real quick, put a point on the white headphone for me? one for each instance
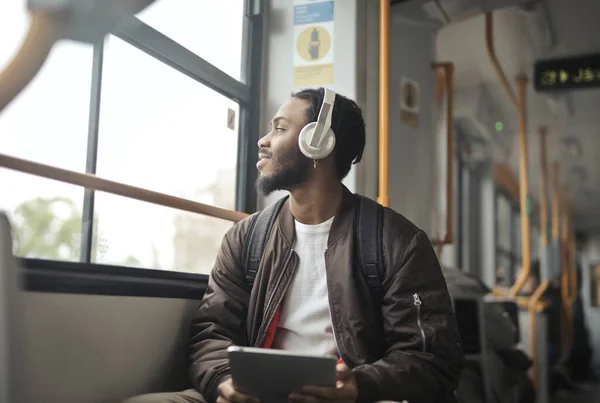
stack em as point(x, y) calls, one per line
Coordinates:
point(317, 139)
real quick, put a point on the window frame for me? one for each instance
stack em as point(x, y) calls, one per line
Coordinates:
point(154, 43)
point(84, 277)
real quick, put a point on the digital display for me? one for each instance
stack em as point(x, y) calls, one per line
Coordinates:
point(568, 73)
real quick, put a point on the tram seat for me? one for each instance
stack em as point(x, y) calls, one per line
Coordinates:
point(511, 310)
point(470, 317)
point(10, 312)
point(74, 348)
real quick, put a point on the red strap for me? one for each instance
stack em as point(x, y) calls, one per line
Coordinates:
point(270, 338)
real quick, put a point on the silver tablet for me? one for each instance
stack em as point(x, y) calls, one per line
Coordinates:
point(271, 375)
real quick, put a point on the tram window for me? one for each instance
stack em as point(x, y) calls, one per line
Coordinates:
point(211, 29)
point(47, 123)
point(535, 243)
point(503, 223)
point(162, 131)
point(517, 246)
point(505, 244)
point(136, 234)
point(595, 284)
point(503, 270)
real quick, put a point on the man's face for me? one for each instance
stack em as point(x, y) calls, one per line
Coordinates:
point(281, 163)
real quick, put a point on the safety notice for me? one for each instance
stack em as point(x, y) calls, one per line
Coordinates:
point(313, 42)
point(409, 103)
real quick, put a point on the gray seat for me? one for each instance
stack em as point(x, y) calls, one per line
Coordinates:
point(74, 348)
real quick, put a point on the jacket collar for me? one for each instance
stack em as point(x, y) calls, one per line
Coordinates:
point(342, 222)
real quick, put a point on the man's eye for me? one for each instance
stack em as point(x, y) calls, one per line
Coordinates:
point(279, 129)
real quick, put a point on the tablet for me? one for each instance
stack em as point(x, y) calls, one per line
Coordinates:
point(271, 375)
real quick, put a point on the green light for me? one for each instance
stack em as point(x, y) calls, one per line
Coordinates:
point(499, 126)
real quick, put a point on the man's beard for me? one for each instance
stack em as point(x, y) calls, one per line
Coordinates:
point(292, 173)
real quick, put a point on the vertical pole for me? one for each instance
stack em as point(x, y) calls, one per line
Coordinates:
point(544, 188)
point(523, 187)
point(384, 102)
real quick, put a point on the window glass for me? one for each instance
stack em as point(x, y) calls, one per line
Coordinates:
point(503, 223)
point(503, 270)
point(162, 131)
point(137, 234)
point(211, 29)
point(535, 243)
point(47, 123)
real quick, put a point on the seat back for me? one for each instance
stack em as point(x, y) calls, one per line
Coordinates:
point(10, 316)
point(75, 347)
point(469, 312)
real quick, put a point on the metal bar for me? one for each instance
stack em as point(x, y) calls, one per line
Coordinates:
point(489, 42)
point(384, 102)
point(116, 188)
point(448, 69)
point(544, 188)
point(533, 311)
point(555, 202)
point(161, 47)
point(250, 116)
point(523, 187)
point(87, 222)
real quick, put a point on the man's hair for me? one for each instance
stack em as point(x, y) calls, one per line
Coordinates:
point(347, 123)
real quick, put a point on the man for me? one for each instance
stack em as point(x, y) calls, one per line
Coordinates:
point(507, 365)
point(560, 377)
point(582, 351)
point(308, 294)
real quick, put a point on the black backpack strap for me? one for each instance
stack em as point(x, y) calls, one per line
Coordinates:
point(369, 237)
point(259, 231)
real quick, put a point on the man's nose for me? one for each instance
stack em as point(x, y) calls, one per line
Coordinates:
point(265, 141)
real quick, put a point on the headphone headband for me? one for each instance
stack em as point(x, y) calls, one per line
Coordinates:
point(323, 120)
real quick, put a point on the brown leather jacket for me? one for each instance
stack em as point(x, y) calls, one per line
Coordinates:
point(401, 350)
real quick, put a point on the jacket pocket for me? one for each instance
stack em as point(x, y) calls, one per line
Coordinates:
point(418, 303)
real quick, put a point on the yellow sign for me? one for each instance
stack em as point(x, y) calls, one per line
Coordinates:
point(409, 105)
point(313, 43)
point(314, 51)
point(320, 74)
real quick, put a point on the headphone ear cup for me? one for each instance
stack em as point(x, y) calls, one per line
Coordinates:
point(327, 144)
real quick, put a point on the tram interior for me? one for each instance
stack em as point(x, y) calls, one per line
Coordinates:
point(84, 329)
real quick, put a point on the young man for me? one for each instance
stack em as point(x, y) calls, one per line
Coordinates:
point(310, 296)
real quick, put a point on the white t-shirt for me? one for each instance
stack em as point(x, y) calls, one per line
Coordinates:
point(305, 320)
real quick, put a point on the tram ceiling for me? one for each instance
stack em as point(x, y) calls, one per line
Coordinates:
point(522, 36)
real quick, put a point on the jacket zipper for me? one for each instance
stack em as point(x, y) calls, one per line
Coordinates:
point(266, 324)
point(335, 339)
point(418, 303)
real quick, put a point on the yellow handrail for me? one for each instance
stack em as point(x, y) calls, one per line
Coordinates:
point(566, 277)
point(539, 292)
point(533, 311)
point(555, 202)
point(384, 103)
point(524, 185)
point(43, 33)
point(489, 42)
point(448, 72)
point(93, 182)
point(544, 188)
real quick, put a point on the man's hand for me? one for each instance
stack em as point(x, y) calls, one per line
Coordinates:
point(228, 394)
point(346, 390)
